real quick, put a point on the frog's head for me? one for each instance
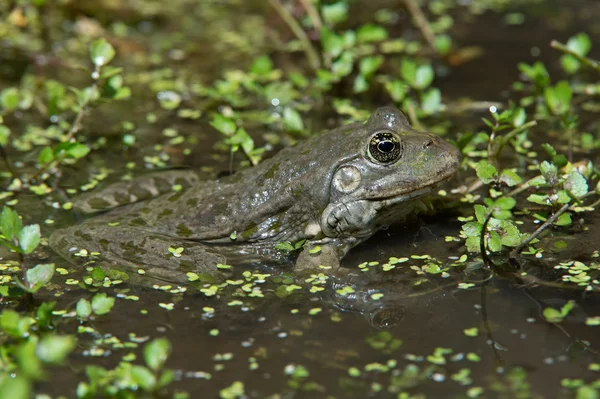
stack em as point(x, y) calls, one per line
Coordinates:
point(392, 164)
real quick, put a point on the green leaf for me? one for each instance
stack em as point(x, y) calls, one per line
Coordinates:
point(101, 52)
point(156, 353)
point(165, 379)
point(39, 276)
point(550, 172)
point(494, 242)
point(563, 220)
point(486, 171)
point(143, 378)
point(10, 223)
point(552, 315)
point(408, 70)
point(371, 33)
point(4, 135)
point(77, 150)
point(169, 99)
point(443, 44)
point(558, 97)
point(292, 120)
point(9, 99)
point(101, 304)
point(54, 348)
point(431, 101)
point(84, 308)
point(580, 44)
point(506, 203)
point(343, 65)
point(424, 77)
point(360, 84)
point(262, 65)
point(333, 44)
point(46, 156)
point(472, 229)
point(17, 387)
point(14, 325)
point(29, 238)
point(396, 89)
point(284, 246)
point(540, 199)
point(44, 315)
point(368, 65)
point(334, 13)
point(223, 124)
point(109, 71)
point(576, 184)
point(510, 178)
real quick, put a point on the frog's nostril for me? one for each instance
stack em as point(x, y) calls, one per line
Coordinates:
point(427, 143)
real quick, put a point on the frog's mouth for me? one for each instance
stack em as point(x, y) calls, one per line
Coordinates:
point(362, 217)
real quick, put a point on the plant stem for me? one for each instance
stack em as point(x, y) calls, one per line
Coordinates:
point(482, 246)
point(313, 14)
point(515, 252)
point(76, 125)
point(421, 22)
point(311, 53)
point(506, 137)
point(555, 44)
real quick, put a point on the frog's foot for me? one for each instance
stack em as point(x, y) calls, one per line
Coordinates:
point(324, 256)
point(141, 188)
point(157, 256)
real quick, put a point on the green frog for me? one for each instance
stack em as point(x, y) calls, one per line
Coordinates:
point(331, 192)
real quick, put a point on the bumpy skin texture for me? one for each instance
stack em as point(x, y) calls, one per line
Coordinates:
point(333, 190)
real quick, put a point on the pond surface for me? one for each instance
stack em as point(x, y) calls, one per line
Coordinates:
point(448, 335)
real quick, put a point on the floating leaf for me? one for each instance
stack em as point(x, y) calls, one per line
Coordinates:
point(84, 308)
point(101, 304)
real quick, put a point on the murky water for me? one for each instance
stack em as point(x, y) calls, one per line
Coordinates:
point(431, 338)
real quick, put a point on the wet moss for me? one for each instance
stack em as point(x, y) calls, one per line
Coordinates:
point(249, 231)
point(183, 230)
point(269, 174)
point(98, 203)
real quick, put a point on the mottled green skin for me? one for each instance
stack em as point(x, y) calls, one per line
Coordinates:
point(289, 197)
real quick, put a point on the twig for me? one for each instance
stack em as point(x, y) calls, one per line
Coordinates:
point(309, 50)
point(515, 252)
point(313, 14)
point(555, 44)
point(76, 125)
point(506, 137)
point(482, 246)
point(421, 22)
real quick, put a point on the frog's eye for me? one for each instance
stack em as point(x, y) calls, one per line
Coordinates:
point(385, 147)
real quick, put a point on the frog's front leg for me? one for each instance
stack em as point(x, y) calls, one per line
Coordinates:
point(324, 255)
point(130, 191)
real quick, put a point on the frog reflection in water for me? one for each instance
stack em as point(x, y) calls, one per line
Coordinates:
point(333, 190)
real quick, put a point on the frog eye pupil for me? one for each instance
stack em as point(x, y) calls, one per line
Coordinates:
point(384, 147)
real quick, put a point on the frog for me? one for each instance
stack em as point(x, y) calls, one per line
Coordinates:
point(305, 207)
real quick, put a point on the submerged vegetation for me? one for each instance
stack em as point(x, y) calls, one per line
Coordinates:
point(94, 92)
